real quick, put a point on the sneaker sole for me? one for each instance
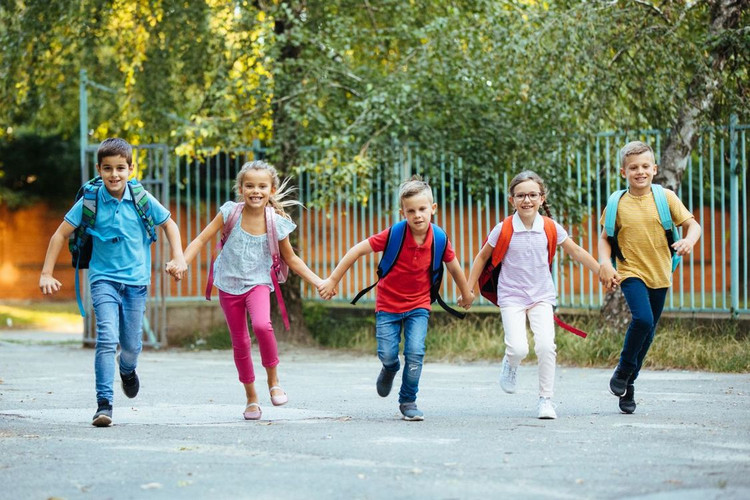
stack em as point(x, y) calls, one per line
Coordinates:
point(102, 421)
point(547, 417)
point(413, 419)
point(508, 391)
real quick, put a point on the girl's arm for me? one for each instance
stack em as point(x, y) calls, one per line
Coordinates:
point(206, 236)
point(478, 265)
point(177, 265)
point(580, 255)
point(296, 264)
point(467, 295)
point(328, 286)
point(47, 283)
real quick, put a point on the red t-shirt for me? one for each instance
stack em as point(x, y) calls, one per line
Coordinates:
point(407, 285)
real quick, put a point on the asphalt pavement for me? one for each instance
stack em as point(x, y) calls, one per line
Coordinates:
point(184, 435)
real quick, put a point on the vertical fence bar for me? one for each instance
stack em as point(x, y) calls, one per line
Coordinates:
point(734, 213)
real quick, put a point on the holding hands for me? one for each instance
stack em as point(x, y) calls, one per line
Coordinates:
point(466, 302)
point(327, 288)
point(608, 276)
point(176, 268)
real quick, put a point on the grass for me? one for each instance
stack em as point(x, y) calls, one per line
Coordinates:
point(717, 346)
point(42, 316)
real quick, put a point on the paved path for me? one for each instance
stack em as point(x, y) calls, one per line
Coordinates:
point(184, 435)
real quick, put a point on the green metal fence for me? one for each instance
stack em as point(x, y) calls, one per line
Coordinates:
point(714, 187)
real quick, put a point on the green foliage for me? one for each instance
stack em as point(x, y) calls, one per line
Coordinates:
point(216, 338)
point(38, 168)
point(345, 331)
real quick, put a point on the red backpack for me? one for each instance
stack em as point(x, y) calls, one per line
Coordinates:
point(279, 268)
point(491, 271)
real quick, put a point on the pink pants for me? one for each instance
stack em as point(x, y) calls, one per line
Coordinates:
point(257, 302)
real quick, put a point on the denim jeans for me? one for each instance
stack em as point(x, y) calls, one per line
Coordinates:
point(119, 318)
point(388, 328)
point(646, 305)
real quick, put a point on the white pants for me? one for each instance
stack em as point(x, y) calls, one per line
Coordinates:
point(517, 345)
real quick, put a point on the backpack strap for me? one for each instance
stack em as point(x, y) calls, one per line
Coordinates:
point(232, 219)
point(394, 243)
point(90, 194)
point(665, 217)
point(439, 244)
point(610, 217)
point(273, 246)
point(551, 231)
point(143, 207)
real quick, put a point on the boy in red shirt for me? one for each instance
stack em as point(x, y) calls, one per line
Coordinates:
point(403, 297)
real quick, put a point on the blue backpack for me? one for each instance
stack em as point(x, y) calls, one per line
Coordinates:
point(670, 230)
point(396, 237)
point(80, 243)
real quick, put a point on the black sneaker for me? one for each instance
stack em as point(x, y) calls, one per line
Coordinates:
point(627, 401)
point(385, 382)
point(619, 381)
point(103, 415)
point(130, 384)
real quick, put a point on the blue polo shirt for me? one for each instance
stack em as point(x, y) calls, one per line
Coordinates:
point(121, 250)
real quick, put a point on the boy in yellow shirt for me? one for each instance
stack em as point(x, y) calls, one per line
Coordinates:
point(644, 268)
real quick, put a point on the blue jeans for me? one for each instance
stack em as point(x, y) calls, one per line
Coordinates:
point(119, 318)
point(388, 332)
point(646, 305)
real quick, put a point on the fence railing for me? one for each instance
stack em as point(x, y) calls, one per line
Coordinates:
point(714, 278)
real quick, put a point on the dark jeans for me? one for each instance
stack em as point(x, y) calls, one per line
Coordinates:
point(646, 305)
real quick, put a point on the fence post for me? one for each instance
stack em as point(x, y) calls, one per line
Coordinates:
point(734, 216)
point(83, 122)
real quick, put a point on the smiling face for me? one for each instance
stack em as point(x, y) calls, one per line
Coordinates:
point(418, 210)
point(115, 172)
point(639, 170)
point(526, 198)
point(256, 188)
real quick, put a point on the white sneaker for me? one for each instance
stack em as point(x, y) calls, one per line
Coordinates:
point(547, 408)
point(508, 377)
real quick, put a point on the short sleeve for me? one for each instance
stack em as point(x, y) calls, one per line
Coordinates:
point(75, 214)
point(494, 235)
point(562, 234)
point(158, 212)
point(449, 254)
point(378, 241)
point(680, 213)
point(226, 209)
point(283, 226)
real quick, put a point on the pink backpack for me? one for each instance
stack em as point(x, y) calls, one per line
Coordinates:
point(279, 268)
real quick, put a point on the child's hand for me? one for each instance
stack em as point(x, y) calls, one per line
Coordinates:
point(466, 302)
point(49, 285)
point(176, 268)
point(683, 246)
point(327, 289)
point(608, 276)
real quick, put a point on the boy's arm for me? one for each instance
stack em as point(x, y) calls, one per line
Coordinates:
point(686, 244)
point(47, 283)
point(177, 265)
point(328, 286)
point(607, 274)
point(296, 264)
point(467, 295)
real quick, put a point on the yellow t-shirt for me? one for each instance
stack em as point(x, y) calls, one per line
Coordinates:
point(641, 238)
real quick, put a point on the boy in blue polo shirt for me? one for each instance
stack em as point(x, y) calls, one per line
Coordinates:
point(119, 271)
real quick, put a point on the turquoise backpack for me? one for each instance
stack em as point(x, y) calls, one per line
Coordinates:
point(670, 230)
point(80, 243)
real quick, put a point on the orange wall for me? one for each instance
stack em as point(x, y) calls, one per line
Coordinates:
point(25, 233)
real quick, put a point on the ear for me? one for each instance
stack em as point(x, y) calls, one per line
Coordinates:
point(401, 212)
point(656, 168)
point(622, 172)
point(98, 169)
point(434, 208)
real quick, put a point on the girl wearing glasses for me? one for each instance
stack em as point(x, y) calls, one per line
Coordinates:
point(524, 286)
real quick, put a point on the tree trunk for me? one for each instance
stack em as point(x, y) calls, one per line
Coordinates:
point(725, 15)
point(286, 152)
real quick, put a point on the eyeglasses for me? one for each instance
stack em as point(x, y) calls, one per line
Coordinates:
point(532, 196)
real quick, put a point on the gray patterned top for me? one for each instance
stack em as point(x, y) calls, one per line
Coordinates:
point(245, 261)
